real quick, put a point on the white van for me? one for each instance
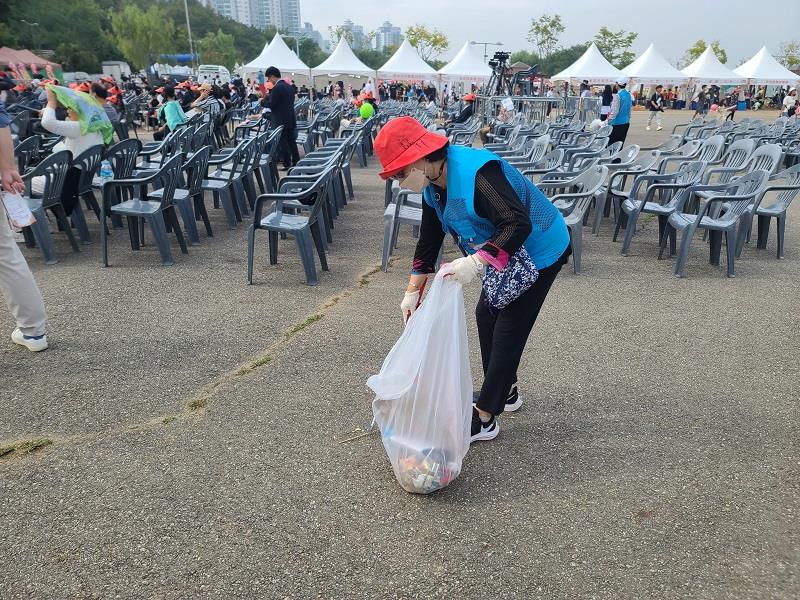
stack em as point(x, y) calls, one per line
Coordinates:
point(212, 73)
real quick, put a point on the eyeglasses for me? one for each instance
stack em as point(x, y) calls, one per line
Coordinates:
point(400, 175)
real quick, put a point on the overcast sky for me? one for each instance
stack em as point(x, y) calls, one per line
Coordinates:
point(742, 26)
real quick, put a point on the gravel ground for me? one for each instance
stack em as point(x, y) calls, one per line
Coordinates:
point(656, 455)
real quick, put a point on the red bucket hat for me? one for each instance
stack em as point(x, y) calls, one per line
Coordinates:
point(468, 97)
point(403, 141)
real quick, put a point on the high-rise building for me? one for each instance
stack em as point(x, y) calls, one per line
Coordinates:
point(357, 33)
point(283, 14)
point(309, 32)
point(387, 35)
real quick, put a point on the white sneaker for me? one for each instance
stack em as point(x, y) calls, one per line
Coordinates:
point(647, 128)
point(659, 129)
point(34, 344)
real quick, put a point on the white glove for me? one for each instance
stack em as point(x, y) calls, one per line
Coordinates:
point(409, 304)
point(463, 270)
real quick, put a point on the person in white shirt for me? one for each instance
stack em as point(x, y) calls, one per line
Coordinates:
point(74, 141)
point(790, 103)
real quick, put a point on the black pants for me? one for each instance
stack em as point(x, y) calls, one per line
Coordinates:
point(69, 193)
point(618, 133)
point(503, 335)
point(289, 153)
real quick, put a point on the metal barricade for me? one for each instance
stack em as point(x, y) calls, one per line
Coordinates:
point(588, 109)
point(535, 109)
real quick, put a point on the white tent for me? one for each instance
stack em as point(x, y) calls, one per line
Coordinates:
point(405, 63)
point(466, 66)
point(651, 68)
point(764, 69)
point(277, 54)
point(342, 61)
point(708, 69)
point(592, 66)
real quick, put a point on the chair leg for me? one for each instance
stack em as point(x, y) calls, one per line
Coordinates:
point(273, 247)
point(576, 239)
point(630, 229)
point(714, 246)
point(240, 196)
point(91, 203)
point(200, 210)
point(306, 252)
point(251, 249)
point(730, 241)
point(250, 189)
point(781, 234)
point(79, 220)
point(683, 253)
point(63, 221)
point(348, 178)
point(41, 233)
point(187, 214)
point(260, 180)
point(388, 228)
point(228, 206)
point(600, 201)
point(763, 232)
point(172, 216)
point(159, 229)
point(316, 234)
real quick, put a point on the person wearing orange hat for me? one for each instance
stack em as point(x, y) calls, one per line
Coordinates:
point(466, 112)
point(504, 226)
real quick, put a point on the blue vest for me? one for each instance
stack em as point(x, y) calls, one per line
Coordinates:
point(549, 236)
point(624, 114)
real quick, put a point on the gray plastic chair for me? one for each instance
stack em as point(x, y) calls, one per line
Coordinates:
point(642, 162)
point(225, 186)
point(26, 152)
point(537, 150)
point(549, 162)
point(399, 212)
point(787, 184)
point(189, 199)
point(668, 145)
point(709, 151)
point(54, 171)
point(155, 213)
point(737, 196)
point(656, 194)
point(305, 229)
point(88, 162)
point(726, 167)
point(573, 205)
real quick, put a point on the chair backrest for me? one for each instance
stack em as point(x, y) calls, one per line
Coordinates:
point(88, 162)
point(273, 143)
point(789, 178)
point(767, 157)
point(711, 148)
point(750, 185)
point(589, 182)
point(628, 154)
point(196, 168)
point(168, 176)
point(25, 151)
point(54, 171)
point(690, 172)
point(738, 153)
point(644, 161)
point(123, 157)
point(539, 148)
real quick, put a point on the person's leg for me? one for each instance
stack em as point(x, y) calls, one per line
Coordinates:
point(69, 193)
point(650, 118)
point(286, 153)
point(658, 120)
point(293, 146)
point(512, 326)
point(18, 287)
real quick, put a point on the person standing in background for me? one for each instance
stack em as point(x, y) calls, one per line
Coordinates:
point(656, 106)
point(620, 115)
point(281, 103)
point(605, 107)
point(17, 284)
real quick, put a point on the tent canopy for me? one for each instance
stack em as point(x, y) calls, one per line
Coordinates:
point(764, 69)
point(277, 54)
point(652, 68)
point(405, 63)
point(342, 61)
point(592, 66)
point(24, 57)
point(466, 65)
point(708, 69)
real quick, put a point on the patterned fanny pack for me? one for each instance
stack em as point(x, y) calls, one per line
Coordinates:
point(501, 288)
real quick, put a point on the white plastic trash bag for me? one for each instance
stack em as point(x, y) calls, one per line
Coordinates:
point(423, 403)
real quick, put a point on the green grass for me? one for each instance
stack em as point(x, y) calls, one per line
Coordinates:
point(169, 419)
point(198, 403)
point(300, 326)
point(24, 447)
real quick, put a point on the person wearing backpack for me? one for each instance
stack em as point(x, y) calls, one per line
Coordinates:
point(500, 221)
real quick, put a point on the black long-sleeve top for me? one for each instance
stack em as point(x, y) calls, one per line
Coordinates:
point(496, 201)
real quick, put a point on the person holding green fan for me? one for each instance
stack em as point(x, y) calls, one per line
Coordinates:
point(86, 125)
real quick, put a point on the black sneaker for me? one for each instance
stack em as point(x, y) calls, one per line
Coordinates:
point(513, 401)
point(481, 430)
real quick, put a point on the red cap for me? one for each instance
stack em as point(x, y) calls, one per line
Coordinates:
point(159, 90)
point(403, 141)
point(85, 87)
point(108, 79)
point(20, 87)
point(468, 97)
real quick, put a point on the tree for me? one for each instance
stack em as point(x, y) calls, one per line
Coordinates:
point(696, 49)
point(390, 49)
point(614, 46)
point(563, 58)
point(339, 32)
point(789, 55)
point(218, 49)
point(311, 53)
point(429, 43)
point(142, 35)
point(372, 58)
point(529, 58)
point(544, 34)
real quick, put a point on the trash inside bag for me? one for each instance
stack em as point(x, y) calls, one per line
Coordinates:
point(423, 403)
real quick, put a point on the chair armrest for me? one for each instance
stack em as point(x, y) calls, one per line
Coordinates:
point(278, 198)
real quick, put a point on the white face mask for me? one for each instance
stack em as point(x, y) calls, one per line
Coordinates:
point(414, 181)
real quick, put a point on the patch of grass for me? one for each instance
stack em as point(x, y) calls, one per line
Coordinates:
point(244, 370)
point(647, 220)
point(24, 447)
point(366, 277)
point(198, 403)
point(168, 419)
point(300, 326)
point(259, 362)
